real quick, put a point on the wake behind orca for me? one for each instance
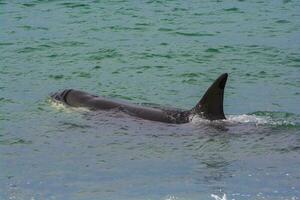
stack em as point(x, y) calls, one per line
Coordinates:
point(209, 107)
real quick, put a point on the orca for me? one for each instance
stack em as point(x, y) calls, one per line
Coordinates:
point(209, 107)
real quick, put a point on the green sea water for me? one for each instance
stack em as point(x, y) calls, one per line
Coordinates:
point(153, 52)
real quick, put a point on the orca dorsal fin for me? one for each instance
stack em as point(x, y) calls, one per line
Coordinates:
point(211, 104)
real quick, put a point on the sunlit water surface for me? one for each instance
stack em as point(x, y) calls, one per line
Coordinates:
point(153, 52)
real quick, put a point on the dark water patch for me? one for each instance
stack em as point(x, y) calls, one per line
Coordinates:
point(44, 1)
point(282, 21)
point(294, 65)
point(294, 59)
point(165, 29)
point(288, 149)
point(6, 43)
point(159, 66)
point(190, 81)
point(94, 29)
point(124, 28)
point(28, 27)
point(228, 47)
point(199, 60)
point(136, 16)
point(131, 9)
point(265, 51)
point(19, 17)
point(194, 34)
point(75, 5)
point(292, 83)
point(164, 44)
point(208, 56)
point(143, 24)
point(27, 50)
point(200, 14)
point(25, 27)
point(122, 132)
point(262, 72)
point(78, 22)
point(5, 100)
point(155, 1)
point(6, 71)
point(71, 43)
point(212, 50)
point(15, 141)
point(71, 125)
point(141, 69)
point(2, 118)
point(97, 67)
point(104, 54)
point(83, 74)
point(138, 28)
point(153, 55)
point(179, 9)
point(45, 46)
point(233, 9)
point(29, 4)
point(191, 75)
point(254, 52)
point(253, 46)
point(116, 72)
point(53, 55)
point(115, 94)
point(56, 77)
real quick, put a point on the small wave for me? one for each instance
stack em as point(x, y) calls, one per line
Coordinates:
point(194, 34)
point(104, 53)
point(28, 4)
point(74, 5)
point(234, 9)
point(212, 50)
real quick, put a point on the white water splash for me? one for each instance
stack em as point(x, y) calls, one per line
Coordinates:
point(196, 119)
point(216, 197)
point(61, 106)
point(171, 198)
point(257, 120)
point(243, 119)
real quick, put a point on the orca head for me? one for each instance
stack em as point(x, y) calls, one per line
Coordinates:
point(60, 96)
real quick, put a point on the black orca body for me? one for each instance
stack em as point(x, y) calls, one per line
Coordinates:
point(209, 107)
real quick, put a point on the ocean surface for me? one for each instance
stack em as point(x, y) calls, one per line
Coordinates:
point(162, 52)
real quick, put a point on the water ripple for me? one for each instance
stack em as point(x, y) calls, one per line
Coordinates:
point(194, 34)
point(103, 54)
point(74, 5)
